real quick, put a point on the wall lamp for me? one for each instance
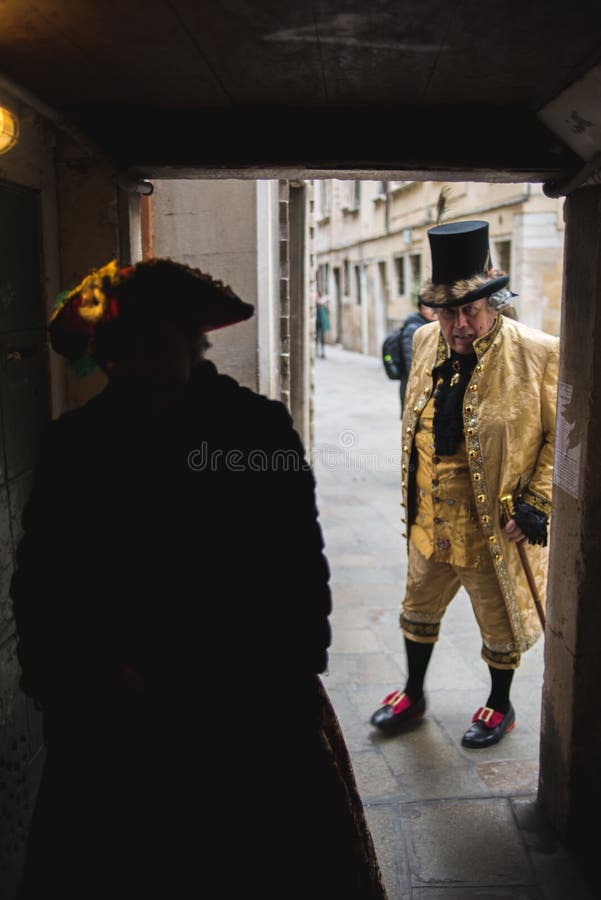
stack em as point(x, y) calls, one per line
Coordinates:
point(9, 130)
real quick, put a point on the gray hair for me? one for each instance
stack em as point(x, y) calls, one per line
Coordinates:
point(501, 298)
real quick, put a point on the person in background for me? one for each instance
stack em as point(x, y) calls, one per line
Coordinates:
point(322, 324)
point(478, 427)
point(414, 320)
point(172, 605)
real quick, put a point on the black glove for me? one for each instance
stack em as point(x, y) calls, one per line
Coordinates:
point(532, 522)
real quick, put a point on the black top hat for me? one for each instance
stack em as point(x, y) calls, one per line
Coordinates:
point(460, 264)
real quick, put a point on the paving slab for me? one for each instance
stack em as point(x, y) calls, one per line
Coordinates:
point(467, 842)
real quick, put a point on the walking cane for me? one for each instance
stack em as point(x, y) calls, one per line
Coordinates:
point(508, 510)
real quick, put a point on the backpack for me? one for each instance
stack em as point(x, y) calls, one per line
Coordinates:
point(392, 355)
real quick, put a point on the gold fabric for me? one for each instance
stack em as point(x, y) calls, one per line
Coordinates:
point(509, 413)
point(431, 586)
point(446, 526)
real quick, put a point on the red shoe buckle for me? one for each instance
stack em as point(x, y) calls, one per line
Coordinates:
point(398, 700)
point(489, 716)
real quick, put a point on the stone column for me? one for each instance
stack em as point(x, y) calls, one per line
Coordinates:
point(300, 324)
point(570, 774)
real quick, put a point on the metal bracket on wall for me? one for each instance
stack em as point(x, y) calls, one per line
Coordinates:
point(134, 185)
point(588, 176)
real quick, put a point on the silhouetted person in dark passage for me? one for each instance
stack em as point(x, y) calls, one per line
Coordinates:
point(172, 600)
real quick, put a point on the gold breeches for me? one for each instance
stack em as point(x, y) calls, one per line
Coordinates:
point(430, 588)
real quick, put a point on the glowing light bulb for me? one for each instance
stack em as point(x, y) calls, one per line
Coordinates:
point(9, 130)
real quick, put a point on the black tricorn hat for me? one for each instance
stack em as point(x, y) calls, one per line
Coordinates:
point(460, 265)
point(113, 297)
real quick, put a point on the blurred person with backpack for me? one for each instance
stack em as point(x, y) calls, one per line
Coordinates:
point(397, 349)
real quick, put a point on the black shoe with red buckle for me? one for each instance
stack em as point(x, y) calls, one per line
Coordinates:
point(398, 708)
point(488, 727)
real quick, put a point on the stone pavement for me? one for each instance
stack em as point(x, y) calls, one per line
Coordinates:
point(448, 823)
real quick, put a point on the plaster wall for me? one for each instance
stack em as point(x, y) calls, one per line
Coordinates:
point(89, 236)
point(212, 225)
point(537, 268)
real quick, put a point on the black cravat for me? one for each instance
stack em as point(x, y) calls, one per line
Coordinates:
point(451, 379)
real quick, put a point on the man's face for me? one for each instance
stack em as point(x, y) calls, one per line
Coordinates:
point(462, 325)
point(162, 355)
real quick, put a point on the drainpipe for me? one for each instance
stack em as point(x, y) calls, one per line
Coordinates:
point(387, 209)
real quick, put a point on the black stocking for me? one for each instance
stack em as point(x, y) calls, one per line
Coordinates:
point(418, 657)
point(500, 687)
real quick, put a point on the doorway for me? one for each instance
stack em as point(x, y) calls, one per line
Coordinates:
point(24, 409)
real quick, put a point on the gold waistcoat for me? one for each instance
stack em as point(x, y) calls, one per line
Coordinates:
point(446, 525)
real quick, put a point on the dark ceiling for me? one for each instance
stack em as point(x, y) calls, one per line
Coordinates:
point(423, 86)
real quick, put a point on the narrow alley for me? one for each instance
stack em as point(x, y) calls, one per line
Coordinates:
point(448, 823)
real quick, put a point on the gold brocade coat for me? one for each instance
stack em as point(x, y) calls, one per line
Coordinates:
point(509, 413)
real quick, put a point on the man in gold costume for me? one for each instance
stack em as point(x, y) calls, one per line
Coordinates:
point(479, 425)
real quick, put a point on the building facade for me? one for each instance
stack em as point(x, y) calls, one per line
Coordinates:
point(371, 249)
